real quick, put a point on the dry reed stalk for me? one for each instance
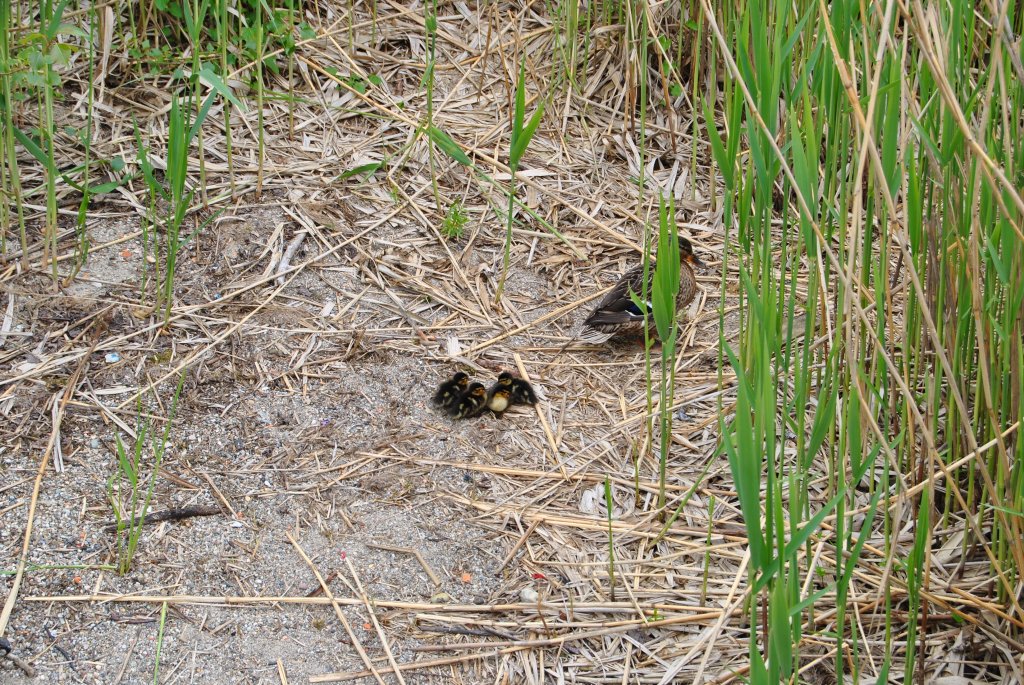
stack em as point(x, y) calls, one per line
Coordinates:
point(336, 605)
point(255, 601)
point(99, 328)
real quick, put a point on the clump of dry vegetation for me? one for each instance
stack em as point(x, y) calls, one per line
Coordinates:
point(241, 243)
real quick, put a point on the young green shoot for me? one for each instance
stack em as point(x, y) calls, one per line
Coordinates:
point(159, 643)
point(130, 486)
point(430, 26)
point(608, 504)
point(663, 303)
point(12, 186)
point(177, 197)
point(82, 247)
point(454, 221)
point(522, 133)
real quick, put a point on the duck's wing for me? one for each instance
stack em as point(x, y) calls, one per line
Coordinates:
point(618, 308)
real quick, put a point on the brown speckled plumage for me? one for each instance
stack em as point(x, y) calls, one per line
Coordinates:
point(617, 310)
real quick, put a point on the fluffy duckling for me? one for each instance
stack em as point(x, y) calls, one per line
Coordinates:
point(522, 392)
point(511, 389)
point(499, 398)
point(451, 390)
point(472, 402)
point(617, 310)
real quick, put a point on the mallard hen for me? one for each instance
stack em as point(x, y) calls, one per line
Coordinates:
point(618, 311)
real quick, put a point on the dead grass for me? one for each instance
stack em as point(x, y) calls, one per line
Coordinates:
point(306, 414)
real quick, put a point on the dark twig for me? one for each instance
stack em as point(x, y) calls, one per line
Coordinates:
point(166, 515)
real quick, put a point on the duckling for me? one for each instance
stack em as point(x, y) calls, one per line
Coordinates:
point(522, 392)
point(518, 390)
point(499, 398)
point(472, 402)
point(617, 309)
point(505, 380)
point(451, 390)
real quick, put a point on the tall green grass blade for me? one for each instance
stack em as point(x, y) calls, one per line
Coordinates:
point(779, 640)
point(159, 642)
point(609, 502)
point(448, 146)
point(208, 76)
point(519, 140)
point(522, 140)
point(745, 463)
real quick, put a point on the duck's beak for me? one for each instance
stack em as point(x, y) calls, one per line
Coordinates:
point(692, 259)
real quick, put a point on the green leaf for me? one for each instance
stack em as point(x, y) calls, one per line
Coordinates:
point(449, 146)
point(718, 147)
point(200, 118)
point(666, 272)
point(523, 139)
point(862, 538)
point(787, 49)
point(823, 421)
point(519, 112)
point(190, 22)
point(147, 167)
point(997, 263)
point(102, 188)
point(54, 24)
point(758, 671)
point(124, 462)
point(206, 222)
point(361, 170)
point(208, 76)
point(71, 30)
point(780, 646)
point(35, 151)
point(355, 83)
point(745, 462)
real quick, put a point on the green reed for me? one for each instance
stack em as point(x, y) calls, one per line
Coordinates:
point(521, 135)
point(876, 216)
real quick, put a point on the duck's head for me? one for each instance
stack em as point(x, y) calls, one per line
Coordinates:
point(686, 253)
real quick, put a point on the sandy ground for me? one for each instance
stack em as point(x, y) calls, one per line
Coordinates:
point(308, 433)
point(471, 551)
